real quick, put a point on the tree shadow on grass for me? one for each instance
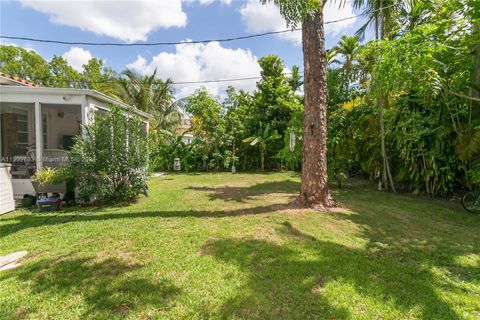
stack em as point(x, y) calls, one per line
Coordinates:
point(405, 241)
point(18, 223)
point(278, 284)
point(108, 288)
point(246, 194)
point(27, 221)
point(282, 283)
point(406, 228)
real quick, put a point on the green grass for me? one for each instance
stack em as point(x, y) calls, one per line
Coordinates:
point(209, 246)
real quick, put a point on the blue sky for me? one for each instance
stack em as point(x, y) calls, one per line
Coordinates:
point(165, 20)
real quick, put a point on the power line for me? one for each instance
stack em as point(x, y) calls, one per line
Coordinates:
point(173, 83)
point(216, 81)
point(147, 44)
point(178, 42)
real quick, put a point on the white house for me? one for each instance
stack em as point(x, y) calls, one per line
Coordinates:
point(37, 125)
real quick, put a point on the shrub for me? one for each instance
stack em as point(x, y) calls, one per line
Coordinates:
point(110, 160)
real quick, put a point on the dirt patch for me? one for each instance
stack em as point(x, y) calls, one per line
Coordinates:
point(319, 287)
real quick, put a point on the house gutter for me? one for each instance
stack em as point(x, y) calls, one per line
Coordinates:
point(77, 92)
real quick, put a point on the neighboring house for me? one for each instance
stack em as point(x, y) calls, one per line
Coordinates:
point(184, 129)
point(38, 125)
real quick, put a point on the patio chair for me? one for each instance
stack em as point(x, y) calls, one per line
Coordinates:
point(52, 158)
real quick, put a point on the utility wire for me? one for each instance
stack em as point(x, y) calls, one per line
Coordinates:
point(218, 80)
point(178, 42)
point(173, 83)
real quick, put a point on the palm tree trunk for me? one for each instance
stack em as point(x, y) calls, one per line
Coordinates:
point(314, 187)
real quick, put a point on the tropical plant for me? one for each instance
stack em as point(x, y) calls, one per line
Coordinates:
point(347, 48)
point(110, 160)
point(103, 79)
point(47, 175)
point(296, 79)
point(382, 15)
point(264, 136)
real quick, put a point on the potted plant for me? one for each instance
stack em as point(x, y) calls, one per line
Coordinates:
point(53, 180)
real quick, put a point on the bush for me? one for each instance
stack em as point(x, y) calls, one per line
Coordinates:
point(110, 160)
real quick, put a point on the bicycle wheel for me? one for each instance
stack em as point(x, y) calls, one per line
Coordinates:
point(471, 202)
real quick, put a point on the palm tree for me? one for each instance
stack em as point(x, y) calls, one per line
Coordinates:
point(347, 48)
point(379, 13)
point(295, 80)
point(414, 13)
point(147, 93)
point(332, 57)
point(153, 95)
point(314, 190)
point(262, 139)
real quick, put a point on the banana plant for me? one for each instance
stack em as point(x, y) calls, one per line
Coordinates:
point(262, 139)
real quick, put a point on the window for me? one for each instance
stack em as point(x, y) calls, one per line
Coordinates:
point(44, 131)
point(22, 129)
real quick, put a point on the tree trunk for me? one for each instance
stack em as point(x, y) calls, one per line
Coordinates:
point(382, 147)
point(314, 191)
point(386, 173)
point(262, 160)
point(233, 157)
point(474, 90)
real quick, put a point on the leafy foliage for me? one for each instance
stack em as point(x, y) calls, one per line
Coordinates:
point(419, 79)
point(110, 161)
point(46, 175)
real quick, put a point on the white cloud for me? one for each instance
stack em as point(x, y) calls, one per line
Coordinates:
point(208, 2)
point(260, 18)
point(198, 62)
point(264, 18)
point(127, 20)
point(332, 12)
point(77, 57)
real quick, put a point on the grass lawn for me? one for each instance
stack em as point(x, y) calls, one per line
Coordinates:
point(208, 246)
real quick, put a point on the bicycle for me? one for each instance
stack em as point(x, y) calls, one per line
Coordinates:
point(471, 202)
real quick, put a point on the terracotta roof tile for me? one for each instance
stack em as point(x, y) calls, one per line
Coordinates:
point(19, 80)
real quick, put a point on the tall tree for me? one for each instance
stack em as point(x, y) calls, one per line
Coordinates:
point(23, 63)
point(63, 75)
point(208, 126)
point(98, 77)
point(380, 14)
point(314, 190)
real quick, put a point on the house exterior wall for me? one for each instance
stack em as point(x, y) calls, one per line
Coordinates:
point(79, 106)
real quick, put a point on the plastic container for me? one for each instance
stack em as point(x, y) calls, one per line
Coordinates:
point(7, 203)
point(49, 204)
